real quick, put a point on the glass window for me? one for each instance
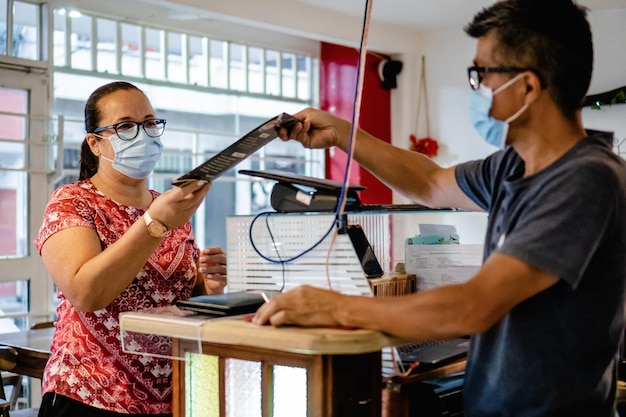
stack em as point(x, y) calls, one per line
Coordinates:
point(238, 67)
point(290, 391)
point(256, 73)
point(198, 61)
point(59, 57)
point(155, 54)
point(243, 388)
point(218, 69)
point(80, 42)
point(177, 58)
point(272, 72)
point(180, 58)
point(14, 301)
point(106, 58)
point(3, 27)
point(132, 65)
point(13, 183)
point(288, 75)
point(26, 31)
point(304, 78)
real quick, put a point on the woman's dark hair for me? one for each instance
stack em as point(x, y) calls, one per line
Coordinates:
point(89, 161)
point(551, 37)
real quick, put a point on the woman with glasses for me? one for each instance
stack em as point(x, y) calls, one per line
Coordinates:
point(112, 245)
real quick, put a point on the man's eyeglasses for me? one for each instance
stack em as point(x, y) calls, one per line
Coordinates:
point(129, 130)
point(474, 77)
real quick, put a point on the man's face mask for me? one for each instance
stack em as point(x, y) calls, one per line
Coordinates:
point(492, 130)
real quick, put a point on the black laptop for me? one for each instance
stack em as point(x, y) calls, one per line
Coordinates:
point(432, 354)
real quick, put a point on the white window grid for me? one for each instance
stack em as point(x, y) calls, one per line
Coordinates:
point(84, 41)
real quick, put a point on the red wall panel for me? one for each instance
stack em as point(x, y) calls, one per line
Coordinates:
point(337, 96)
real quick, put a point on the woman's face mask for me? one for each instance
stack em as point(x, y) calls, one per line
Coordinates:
point(135, 158)
point(492, 130)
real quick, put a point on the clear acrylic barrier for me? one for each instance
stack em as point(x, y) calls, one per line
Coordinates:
point(281, 236)
point(171, 320)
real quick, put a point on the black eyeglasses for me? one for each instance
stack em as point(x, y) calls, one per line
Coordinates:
point(474, 77)
point(129, 130)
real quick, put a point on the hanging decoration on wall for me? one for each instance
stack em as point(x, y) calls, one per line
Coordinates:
point(425, 145)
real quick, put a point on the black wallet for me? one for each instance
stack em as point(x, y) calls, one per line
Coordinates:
point(227, 304)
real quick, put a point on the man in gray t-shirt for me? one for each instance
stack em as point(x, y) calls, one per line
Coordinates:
point(546, 309)
point(565, 220)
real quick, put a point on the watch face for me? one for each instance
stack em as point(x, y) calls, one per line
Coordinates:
point(156, 229)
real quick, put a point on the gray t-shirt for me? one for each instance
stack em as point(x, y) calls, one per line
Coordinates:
point(555, 353)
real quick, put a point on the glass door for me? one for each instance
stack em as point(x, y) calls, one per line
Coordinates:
point(26, 170)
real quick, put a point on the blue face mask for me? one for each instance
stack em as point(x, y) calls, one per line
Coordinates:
point(135, 158)
point(492, 130)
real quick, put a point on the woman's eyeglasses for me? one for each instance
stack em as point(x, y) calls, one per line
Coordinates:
point(129, 130)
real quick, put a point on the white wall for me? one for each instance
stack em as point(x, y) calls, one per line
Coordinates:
point(609, 71)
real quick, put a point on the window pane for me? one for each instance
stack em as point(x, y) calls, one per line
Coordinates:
point(256, 75)
point(13, 220)
point(219, 64)
point(176, 57)
point(243, 388)
point(131, 64)
point(289, 75)
point(290, 391)
point(13, 184)
point(176, 156)
point(3, 26)
point(81, 41)
point(12, 155)
point(272, 76)
point(238, 58)
point(12, 100)
point(14, 297)
point(304, 77)
point(198, 61)
point(202, 385)
point(155, 54)
point(58, 53)
point(26, 31)
point(107, 42)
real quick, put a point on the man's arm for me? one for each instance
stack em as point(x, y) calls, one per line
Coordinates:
point(412, 174)
point(444, 312)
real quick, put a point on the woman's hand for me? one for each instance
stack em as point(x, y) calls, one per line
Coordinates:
point(212, 271)
point(175, 206)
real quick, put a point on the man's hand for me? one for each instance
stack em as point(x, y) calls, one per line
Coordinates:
point(304, 306)
point(317, 129)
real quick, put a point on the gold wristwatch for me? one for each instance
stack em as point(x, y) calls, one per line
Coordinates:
point(155, 227)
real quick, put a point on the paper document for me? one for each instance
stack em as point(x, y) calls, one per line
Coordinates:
point(437, 265)
point(237, 152)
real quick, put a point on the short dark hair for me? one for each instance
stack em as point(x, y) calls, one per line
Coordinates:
point(89, 161)
point(552, 37)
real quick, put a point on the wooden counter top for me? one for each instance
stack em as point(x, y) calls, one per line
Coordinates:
point(237, 330)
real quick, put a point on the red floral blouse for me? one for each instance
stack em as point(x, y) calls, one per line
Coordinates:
point(87, 362)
